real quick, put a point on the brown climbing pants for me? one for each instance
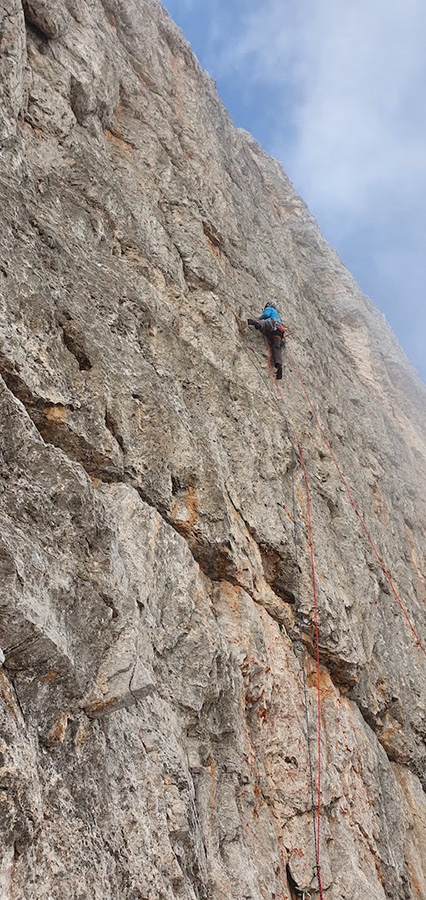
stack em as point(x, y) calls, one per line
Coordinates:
point(274, 341)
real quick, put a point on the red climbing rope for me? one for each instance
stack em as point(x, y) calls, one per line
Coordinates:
point(317, 658)
point(317, 828)
point(352, 501)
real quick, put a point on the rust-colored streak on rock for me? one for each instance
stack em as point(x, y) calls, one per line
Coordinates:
point(98, 708)
point(57, 734)
point(7, 695)
point(118, 140)
point(55, 415)
point(185, 512)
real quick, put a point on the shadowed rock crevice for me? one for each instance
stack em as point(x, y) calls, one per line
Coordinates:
point(35, 25)
point(280, 573)
point(75, 342)
point(112, 427)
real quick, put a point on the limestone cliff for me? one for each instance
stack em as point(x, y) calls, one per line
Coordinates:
point(153, 735)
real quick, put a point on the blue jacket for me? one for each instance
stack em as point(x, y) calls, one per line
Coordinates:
point(270, 313)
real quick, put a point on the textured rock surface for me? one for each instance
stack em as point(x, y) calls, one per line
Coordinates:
point(153, 740)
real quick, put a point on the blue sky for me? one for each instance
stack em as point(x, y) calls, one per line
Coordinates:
point(336, 90)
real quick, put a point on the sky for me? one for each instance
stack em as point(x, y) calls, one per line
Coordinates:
point(336, 90)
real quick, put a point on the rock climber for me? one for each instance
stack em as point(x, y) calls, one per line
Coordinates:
point(270, 324)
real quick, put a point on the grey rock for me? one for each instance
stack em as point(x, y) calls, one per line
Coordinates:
point(154, 603)
point(12, 66)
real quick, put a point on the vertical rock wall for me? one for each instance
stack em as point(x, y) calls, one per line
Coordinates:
point(153, 739)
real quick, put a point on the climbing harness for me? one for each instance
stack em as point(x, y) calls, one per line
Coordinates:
point(278, 328)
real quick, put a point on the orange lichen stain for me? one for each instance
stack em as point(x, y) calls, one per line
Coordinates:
point(118, 140)
point(99, 706)
point(381, 505)
point(235, 514)
point(7, 695)
point(297, 851)
point(282, 211)
point(414, 877)
point(57, 733)
point(326, 684)
point(95, 481)
point(214, 238)
point(289, 515)
point(55, 415)
point(231, 595)
point(50, 676)
point(390, 730)
point(185, 512)
point(81, 735)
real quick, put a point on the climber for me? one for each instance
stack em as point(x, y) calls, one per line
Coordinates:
point(270, 324)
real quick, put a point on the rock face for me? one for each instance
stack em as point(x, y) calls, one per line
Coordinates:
point(154, 602)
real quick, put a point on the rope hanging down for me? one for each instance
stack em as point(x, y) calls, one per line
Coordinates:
point(305, 687)
point(316, 823)
point(317, 659)
point(357, 512)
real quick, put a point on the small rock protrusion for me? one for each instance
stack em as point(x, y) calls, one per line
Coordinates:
point(51, 19)
point(82, 100)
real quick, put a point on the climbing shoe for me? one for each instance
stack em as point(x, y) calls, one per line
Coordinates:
point(279, 373)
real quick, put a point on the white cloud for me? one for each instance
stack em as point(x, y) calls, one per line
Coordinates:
point(358, 70)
